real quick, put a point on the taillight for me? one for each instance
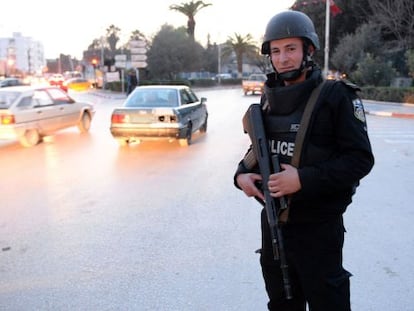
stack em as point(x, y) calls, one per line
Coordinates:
point(7, 119)
point(119, 118)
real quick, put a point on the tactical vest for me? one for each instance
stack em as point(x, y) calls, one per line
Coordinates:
point(283, 110)
point(281, 132)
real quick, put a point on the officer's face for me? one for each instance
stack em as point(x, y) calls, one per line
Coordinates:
point(286, 54)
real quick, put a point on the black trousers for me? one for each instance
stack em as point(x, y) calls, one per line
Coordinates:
point(314, 256)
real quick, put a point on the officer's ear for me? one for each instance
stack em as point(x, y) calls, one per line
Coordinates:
point(311, 50)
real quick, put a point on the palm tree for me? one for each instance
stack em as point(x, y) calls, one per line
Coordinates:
point(190, 9)
point(137, 35)
point(241, 46)
point(112, 36)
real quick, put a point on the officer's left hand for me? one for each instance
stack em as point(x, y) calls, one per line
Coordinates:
point(285, 182)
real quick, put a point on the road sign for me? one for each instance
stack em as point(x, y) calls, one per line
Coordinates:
point(121, 57)
point(138, 50)
point(137, 44)
point(120, 64)
point(112, 76)
point(138, 57)
point(139, 64)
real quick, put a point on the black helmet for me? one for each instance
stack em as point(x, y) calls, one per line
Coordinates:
point(289, 24)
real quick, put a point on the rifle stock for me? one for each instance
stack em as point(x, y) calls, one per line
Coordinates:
point(253, 125)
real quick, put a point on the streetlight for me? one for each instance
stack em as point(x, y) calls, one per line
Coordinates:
point(94, 63)
point(10, 63)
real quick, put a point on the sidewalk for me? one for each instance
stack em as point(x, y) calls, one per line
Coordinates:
point(389, 109)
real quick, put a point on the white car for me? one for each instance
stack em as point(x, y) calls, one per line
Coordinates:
point(27, 113)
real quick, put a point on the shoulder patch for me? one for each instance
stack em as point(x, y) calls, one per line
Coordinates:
point(359, 112)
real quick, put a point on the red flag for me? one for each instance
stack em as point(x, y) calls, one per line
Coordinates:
point(335, 10)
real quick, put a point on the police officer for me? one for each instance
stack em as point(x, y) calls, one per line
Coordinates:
point(336, 155)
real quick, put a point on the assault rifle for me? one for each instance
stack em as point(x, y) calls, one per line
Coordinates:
point(253, 125)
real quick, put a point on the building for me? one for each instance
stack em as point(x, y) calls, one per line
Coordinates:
point(20, 56)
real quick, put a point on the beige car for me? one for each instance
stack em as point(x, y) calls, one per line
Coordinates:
point(27, 113)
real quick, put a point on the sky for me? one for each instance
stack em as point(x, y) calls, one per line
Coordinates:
point(69, 27)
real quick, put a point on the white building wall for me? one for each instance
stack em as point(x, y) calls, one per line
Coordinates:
point(26, 53)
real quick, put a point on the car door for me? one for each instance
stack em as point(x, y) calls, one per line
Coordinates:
point(69, 111)
point(193, 107)
point(45, 112)
point(186, 109)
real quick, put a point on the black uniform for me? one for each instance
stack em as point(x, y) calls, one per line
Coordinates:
point(336, 154)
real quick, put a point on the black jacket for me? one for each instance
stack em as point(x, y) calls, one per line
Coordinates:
point(336, 153)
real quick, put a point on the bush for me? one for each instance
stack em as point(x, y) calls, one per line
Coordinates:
point(389, 94)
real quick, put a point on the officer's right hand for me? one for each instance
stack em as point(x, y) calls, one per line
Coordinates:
point(247, 183)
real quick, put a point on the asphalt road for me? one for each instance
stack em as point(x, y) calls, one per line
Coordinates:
point(87, 225)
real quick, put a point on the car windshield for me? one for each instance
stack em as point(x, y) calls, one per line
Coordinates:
point(152, 98)
point(7, 98)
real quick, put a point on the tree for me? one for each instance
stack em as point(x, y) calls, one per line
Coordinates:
point(210, 58)
point(241, 46)
point(353, 47)
point(395, 17)
point(137, 35)
point(112, 36)
point(373, 71)
point(409, 55)
point(190, 9)
point(354, 13)
point(173, 52)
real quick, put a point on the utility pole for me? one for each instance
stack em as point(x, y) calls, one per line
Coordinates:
point(327, 27)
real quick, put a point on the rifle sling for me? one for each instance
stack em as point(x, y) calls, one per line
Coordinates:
point(304, 124)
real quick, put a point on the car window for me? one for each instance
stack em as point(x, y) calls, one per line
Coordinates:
point(188, 97)
point(7, 98)
point(184, 97)
point(192, 95)
point(59, 96)
point(152, 98)
point(26, 102)
point(42, 98)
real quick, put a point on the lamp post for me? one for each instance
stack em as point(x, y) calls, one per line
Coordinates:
point(327, 27)
point(94, 63)
point(103, 62)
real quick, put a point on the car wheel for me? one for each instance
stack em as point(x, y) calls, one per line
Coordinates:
point(84, 123)
point(30, 138)
point(184, 142)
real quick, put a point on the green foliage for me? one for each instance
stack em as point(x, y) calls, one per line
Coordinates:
point(353, 47)
point(389, 94)
point(241, 46)
point(373, 71)
point(409, 55)
point(190, 9)
point(172, 52)
point(354, 13)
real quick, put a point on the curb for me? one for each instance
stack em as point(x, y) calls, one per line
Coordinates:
point(391, 114)
point(111, 95)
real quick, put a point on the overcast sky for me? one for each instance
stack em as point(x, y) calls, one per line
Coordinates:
point(69, 27)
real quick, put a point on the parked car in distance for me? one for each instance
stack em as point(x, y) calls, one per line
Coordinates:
point(56, 79)
point(159, 112)
point(222, 76)
point(76, 84)
point(10, 82)
point(254, 83)
point(27, 113)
